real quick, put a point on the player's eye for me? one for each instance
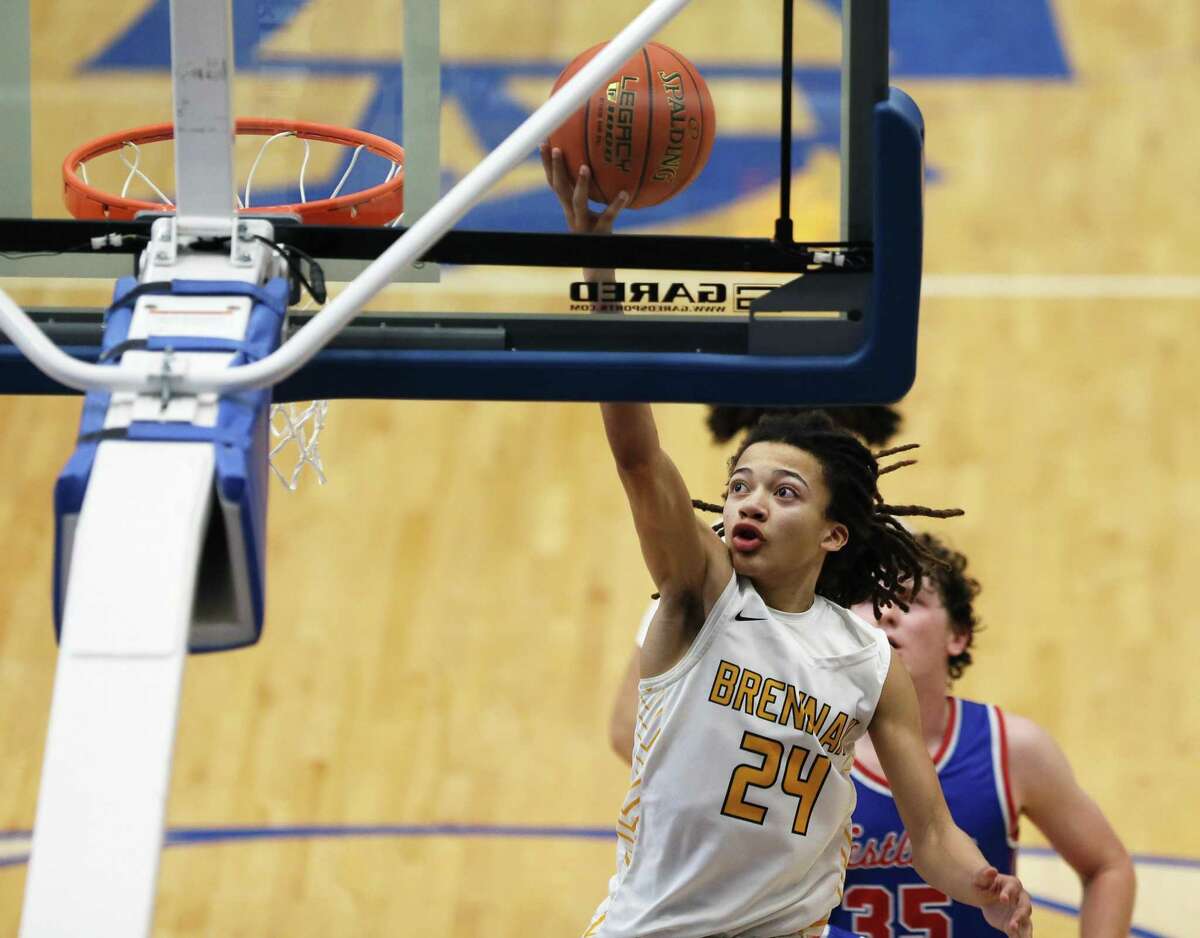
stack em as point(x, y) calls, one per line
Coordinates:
point(737, 485)
point(786, 491)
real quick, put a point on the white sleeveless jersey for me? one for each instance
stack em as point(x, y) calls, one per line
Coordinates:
point(737, 819)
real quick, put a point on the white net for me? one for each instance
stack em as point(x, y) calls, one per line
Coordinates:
point(301, 425)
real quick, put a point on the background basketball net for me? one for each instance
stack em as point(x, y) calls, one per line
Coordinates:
point(299, 424)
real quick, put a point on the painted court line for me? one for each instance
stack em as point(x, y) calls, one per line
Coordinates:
point(194, 836)
point(184, 836)
point(1068, 909)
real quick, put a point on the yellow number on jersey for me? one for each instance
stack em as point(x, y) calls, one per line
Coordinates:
point(804, 787)
point(748, 776)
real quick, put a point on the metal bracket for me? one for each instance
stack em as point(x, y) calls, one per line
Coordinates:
point(816, 292)
point(241, 245)
point(822, 290)
point(171, 255)
point(164, 241)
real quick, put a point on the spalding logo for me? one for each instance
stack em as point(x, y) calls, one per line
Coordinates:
point(681, 126)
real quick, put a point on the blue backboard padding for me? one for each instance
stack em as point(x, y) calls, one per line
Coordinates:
point(899, 232)
point(535, 376)
point(593, 376)
point(240, 437)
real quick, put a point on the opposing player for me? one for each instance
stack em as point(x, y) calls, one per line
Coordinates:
point(757, 682)
point(994, 768)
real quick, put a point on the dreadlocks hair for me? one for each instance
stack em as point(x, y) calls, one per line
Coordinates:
point(876, 424)
point(881, 555)
point(957, 591)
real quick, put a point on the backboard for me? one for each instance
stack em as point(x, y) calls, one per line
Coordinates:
point(440, 83)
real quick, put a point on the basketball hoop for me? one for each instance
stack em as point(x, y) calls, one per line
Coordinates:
point(381, 204)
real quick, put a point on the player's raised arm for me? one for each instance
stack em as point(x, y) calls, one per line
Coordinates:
point(675, 545)
point(945, 857)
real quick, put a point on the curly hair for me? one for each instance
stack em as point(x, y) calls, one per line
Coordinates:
point(881, 555)
point(957, 590)
point(875, 424)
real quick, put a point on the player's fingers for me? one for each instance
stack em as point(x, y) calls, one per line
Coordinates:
point(604, 223)
point(579, 198)
point(1019, 926)
point(558, 175)
point(544, 153)
point(561, 185)
point(986, 877)
point(1022, 918)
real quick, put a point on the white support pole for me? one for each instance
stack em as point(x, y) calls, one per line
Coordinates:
point(107, 767)
point(201, 79)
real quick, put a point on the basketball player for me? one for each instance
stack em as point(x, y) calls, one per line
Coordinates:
point(873, 424)
point(994, 767)
point(884, 895)
point(757, 682)
point(986, 785)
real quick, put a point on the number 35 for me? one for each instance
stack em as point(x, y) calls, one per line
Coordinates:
point(922, 911)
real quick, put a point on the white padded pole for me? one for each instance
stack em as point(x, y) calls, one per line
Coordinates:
point(107, 766)
point(408, 248)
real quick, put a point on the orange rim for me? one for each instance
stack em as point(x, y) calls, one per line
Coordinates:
point(378, 205)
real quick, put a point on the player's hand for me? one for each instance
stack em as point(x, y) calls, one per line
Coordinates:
point(574, 198)
point(1008, 907)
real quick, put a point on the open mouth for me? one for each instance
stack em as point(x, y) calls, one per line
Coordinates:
point(746, 537)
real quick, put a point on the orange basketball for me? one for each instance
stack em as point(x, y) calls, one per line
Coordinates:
point(648, 130)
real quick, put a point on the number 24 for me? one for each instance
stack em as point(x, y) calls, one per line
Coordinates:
point(805, 788)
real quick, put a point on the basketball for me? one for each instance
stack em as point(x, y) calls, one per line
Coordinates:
point(647, 131)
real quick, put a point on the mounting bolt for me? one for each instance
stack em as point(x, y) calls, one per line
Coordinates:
point(162, 256)
point(244, 257)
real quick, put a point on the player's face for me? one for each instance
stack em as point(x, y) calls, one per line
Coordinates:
point(923, 637)
point(775, 507)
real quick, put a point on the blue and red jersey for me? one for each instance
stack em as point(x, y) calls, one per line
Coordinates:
point(884, 897)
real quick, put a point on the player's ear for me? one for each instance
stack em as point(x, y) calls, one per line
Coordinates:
point(956, 642)
point(837, 536)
